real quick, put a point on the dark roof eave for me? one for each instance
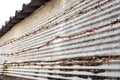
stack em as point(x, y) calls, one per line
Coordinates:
point(20, 15)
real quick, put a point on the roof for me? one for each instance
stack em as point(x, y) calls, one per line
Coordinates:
point(27, 9)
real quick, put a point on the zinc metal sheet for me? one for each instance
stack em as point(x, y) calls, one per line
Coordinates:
point(81, 42)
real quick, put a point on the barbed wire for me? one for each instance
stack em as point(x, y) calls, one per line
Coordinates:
point(68, 37)
point(61, 37)
point(46, 27)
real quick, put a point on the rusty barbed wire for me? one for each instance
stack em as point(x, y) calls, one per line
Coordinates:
point(34, 32)
point(69, 37)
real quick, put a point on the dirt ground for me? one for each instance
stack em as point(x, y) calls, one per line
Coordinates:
point(11, 78)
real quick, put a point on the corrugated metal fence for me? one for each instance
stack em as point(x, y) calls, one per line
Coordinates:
point(81, 42)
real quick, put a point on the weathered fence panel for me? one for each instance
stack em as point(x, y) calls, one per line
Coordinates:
point(78, 42)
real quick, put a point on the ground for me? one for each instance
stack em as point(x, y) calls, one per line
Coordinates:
point(11, 78)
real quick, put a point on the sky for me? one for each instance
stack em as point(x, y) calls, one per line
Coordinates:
point(8, 8)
